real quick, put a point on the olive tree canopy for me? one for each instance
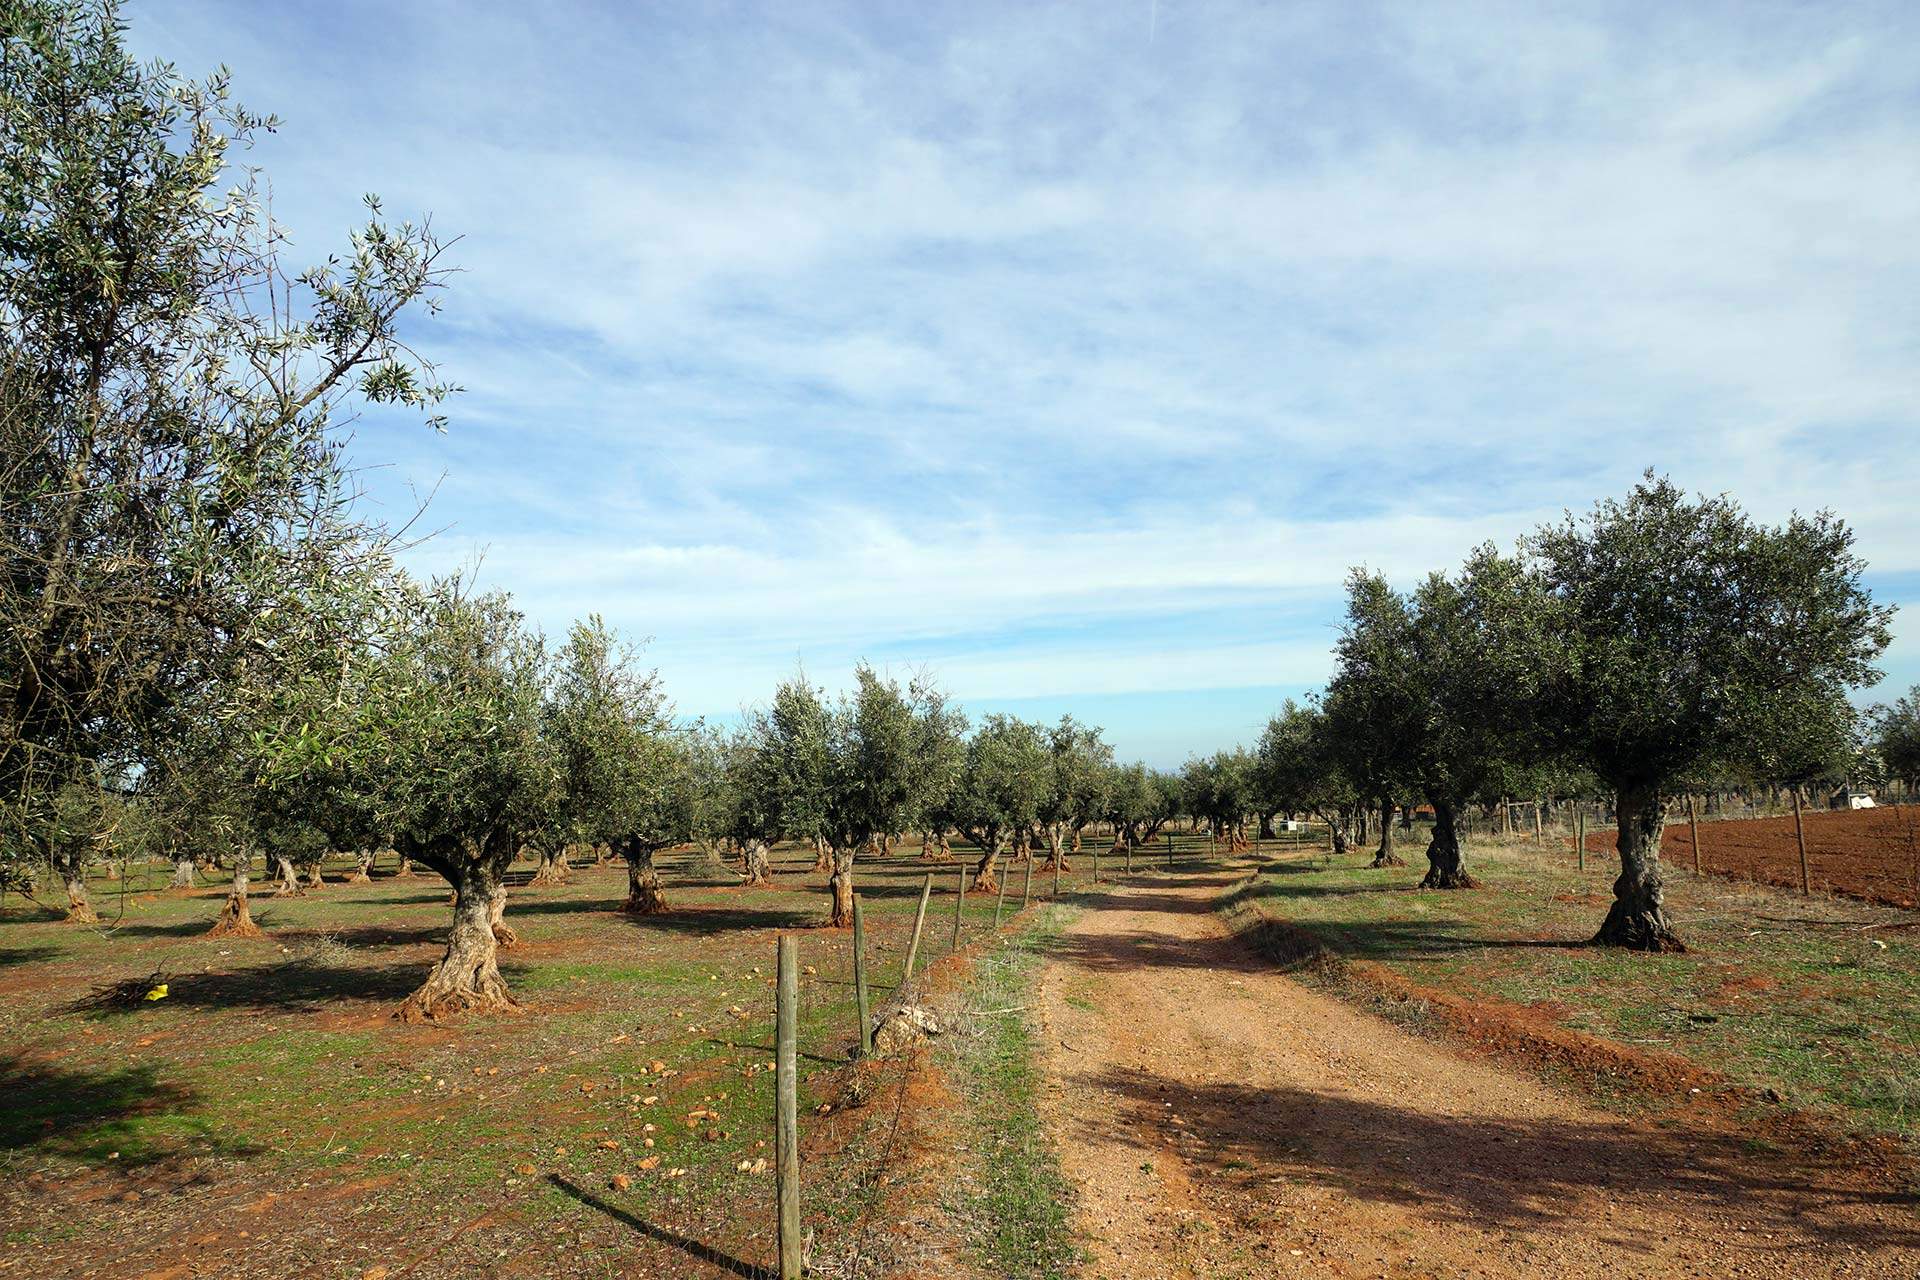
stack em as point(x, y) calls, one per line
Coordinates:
point(170, 403)
point(1003, 781)
point(1697, 637)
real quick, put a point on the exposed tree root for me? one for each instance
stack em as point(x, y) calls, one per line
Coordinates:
point(434, 1002)
point(235, 921)
point(1639, 930)
point(645, 900)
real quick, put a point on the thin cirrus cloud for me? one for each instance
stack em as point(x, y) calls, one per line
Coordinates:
point(1078, 351)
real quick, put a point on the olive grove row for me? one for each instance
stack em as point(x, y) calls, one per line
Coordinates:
point(212, 654)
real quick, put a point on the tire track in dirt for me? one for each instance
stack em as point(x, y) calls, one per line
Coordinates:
point(1220, 1120)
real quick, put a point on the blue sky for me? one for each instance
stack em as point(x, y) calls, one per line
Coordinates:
point(1075, 351)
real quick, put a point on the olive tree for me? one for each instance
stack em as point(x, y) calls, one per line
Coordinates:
point(447, 724)
point(625, 778)
point(1695, 636)
point(1895, 737)
point(939, 755)
point(1372, 703)
point(874, 775)
point(171, 396)
point(751, 798)
point(1073, 785)
point(1141, 801)
point(786, 775)
point(1483, 652)
point(1296, 770)
point(1006, 776)
point(1219, 789)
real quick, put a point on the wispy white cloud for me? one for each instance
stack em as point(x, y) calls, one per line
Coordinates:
point(991, 335)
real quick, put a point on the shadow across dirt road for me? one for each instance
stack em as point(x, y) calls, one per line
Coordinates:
point(1506, 1173)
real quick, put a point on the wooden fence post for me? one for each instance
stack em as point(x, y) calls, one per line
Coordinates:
point(1800, 835)
point(1096, 862)
point(1169, 850)
point(959, 901)
point(1000, 902)
point(1693, 826)
point(1539, 834)
point(786, 1107)
point(1580, 835)
point(1026, 889)
point(919, 921)
point(1056, 875)
point(1129, 855)
point(860, 979)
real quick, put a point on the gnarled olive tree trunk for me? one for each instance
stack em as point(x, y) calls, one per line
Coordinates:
point(1384, 856)
point(756, 862)
point(1638, 917)
point(1337, 828)
point(73, 874)
point(289, 878)
point(182, 873)
point(503, 934)
point(313, 875)
point(235, 921)
point(840, 884)
point(362, 867)
point(467, 978)
point(553, 868)
point(644, 897)
point(822, 857)
point(1446, 865)
point(986, 878)
point(1056, 834)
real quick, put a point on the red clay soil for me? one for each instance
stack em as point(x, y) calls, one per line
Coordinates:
point(1870, 854)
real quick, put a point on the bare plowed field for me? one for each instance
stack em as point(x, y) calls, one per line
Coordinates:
point(1873, 854)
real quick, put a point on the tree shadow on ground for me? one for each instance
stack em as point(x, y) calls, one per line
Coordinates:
point(1328, 890)
point(695, 915)
point(686, 1244)
point(295, 985)
point(1499, 1172)
point(177, 928)
point(1265, 945)
point(32, 954)
point(703, 920)
point(91, 1114)
point(372, 935)
point(805, 1054)
point(521, 905)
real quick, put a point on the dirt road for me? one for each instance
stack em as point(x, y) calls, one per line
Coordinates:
point(1220, 1119)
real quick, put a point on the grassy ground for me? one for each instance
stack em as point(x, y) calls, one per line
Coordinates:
point(1810, 997)
point(271, 1096)
point(1011, 1197)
